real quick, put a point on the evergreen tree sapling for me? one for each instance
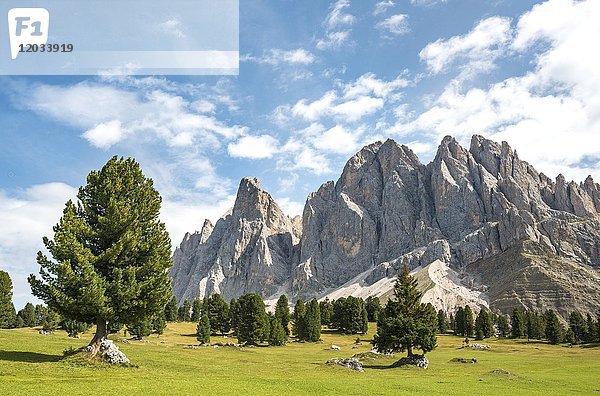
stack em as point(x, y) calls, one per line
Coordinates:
point(203, 329)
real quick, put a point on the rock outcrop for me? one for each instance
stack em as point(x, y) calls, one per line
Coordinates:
point(509, 230)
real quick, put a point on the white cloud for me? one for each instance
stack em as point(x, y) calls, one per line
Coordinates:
point(110, 115)
point(334, 40)
point(290, 207)
point(351, 101)
point(479, 48)
point(426, 2)
point(27, 216)
point(382, 6)
point(254, 147)
point(337, 31)
point(549, 114)
point(337, 16)
point(337, 140)
point(395, 24)
point(173, 27)
point(106, 134)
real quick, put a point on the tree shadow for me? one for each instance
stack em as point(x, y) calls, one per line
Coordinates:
point(28, 357)
point(378, 367)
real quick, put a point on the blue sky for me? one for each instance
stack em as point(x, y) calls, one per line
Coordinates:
point(318, 80)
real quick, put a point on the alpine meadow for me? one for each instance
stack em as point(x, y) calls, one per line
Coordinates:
point(338, 197)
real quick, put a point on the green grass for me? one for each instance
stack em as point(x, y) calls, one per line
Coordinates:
point(33, 364)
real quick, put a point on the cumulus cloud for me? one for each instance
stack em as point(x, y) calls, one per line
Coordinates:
point(395, 24)
point(478, 49)
point(26, 216)
point(110, 115)
point(551, 113)
point(254, 147)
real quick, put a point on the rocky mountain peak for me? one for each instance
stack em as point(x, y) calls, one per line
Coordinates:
point(253, 203)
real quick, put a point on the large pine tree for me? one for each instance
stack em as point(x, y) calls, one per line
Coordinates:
point(406, 323)
point(111, 252)
point(313, 322)
point(252, 319)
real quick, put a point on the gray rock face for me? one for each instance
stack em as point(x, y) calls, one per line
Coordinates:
point(248, 250)
point(388, 210)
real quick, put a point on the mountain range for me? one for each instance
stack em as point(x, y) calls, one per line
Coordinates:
point(477, 226)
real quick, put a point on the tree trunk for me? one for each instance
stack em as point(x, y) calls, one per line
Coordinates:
point(101, 333)
point(410, 351)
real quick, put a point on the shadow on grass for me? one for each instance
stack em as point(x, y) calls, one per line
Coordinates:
point(28, 357)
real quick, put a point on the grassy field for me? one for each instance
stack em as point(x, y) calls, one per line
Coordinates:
point(33, 364)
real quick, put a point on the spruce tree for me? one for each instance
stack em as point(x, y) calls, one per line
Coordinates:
point(442, 323)
point(277, 336)
point(484, 325)
point(282, 313)
point(313, 322)
point(554, 331)
point(234, 314)
point(406, 323)
point(517, 324)
point(503, 326)
point(373, 307)
point(299, 316)
point(326, 308)
point(183, 313)
point(8, 316)
point(196, 310)
point(111, 252)
point(170, 310)
point(469, 322)
point(252, 319)
point(578, 325)
point(570, 337)
point(203, 329)
point(461, 324)
point(590, 335)
point(140, 329)
point(218, 313)
point(28, 315)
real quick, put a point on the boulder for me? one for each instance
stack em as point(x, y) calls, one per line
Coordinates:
point(349, 363)
point(110, 353)
point(414, 360)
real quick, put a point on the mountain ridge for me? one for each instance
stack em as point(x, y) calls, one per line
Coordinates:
point(386, 210)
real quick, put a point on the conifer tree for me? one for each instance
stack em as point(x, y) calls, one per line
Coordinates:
point(203, 329)
point(578, 325)
point(313, 322)
point(442, 323)
point(570, 337)
point(591, 328)
point(140, 329)
point(469, 322)
point(251, 326)
point(503, 326)
point(517, 324)
point(277, 336)
point(299, 316)
point(326, 308)
point(554, 331)
point(8, 316)
point(373, 307)
point(218, 313)
point(282, 313)
point(484, 325)
point(234, 314)
point(159, 324)
point(28, 315)
point(196, 310)
point(111, 252)
point(170, 310)
point(74, 327)
point(461, 323)
point(183, 313)
point(406, 323)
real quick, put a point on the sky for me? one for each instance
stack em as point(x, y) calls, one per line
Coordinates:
point(317, 81)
